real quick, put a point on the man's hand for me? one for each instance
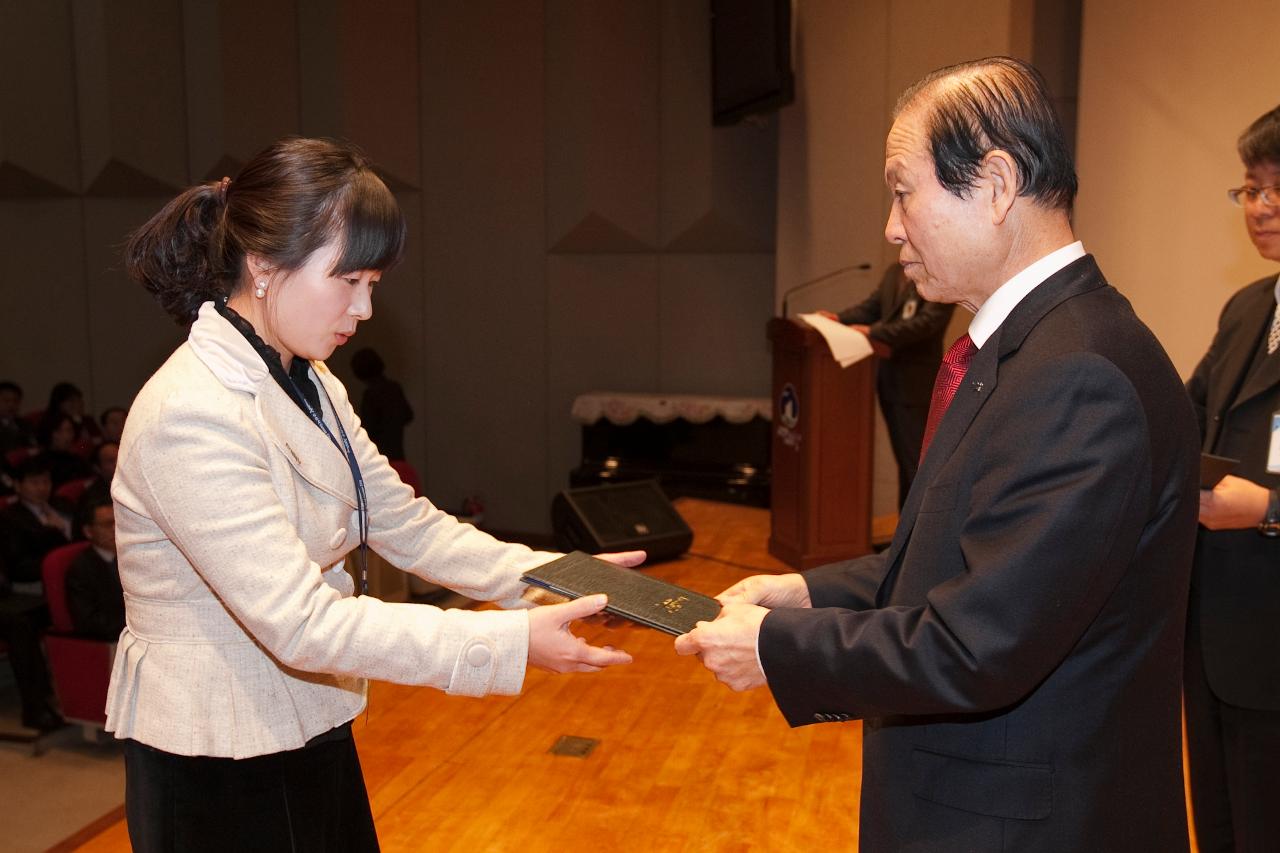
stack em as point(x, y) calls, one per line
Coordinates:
point(727, 646)
point(552, 646)
point(1234, 504)
point(771, 591)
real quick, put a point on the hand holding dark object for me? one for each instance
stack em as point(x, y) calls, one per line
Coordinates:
point(553, 646)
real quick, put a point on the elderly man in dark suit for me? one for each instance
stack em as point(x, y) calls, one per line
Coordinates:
point(1233, 627)
point(912, 328)
point(1016, 652)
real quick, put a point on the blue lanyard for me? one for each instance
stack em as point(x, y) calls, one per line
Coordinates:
point(362, 500)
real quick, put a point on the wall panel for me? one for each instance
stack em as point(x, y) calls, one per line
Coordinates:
point(132, 105)
point(38, 152)
point(711, 324)
point(602, 97)
point(603, 333)
point(483, 250)
point(42, 297)
point(242, 81)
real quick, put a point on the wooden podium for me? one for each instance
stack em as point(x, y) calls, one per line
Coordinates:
point(823, 438)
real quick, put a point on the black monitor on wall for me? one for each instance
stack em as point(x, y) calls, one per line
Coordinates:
point(750, 58)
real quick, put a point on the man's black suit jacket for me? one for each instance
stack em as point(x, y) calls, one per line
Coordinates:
point(1235, 589)
point(1016, 653)
point(95, 598)
point(24, 541)
point(916, 341)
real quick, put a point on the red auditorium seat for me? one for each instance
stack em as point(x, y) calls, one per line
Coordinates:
point(80, 667)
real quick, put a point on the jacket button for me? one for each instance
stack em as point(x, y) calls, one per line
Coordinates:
point(479, 656)
point(338, 537)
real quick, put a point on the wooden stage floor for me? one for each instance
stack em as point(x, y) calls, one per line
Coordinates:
point(681, 764)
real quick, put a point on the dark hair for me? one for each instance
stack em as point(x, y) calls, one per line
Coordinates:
point(88, 508)
point(49, 424)
point(111, 410)
point(287, 202)
point(6, 385)
point(32, 466)
point(367, 364)
point(1260, 143)
point(96, 457)
point(61, 392)
point(996, 103)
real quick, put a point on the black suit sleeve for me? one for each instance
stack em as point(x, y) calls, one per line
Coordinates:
point(864, 313)
point(929, 321)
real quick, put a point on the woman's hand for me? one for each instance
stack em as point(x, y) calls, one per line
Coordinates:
point(552, 646)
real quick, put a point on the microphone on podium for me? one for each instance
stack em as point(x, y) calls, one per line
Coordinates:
point(786, 296)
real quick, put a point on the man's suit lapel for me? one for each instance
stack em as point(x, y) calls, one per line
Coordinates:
point(979, 384)
point(1238, 361)
point(311, 453)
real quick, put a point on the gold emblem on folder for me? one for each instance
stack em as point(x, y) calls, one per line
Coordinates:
point(671, 605)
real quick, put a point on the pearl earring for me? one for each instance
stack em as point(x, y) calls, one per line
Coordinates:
point(261, 290)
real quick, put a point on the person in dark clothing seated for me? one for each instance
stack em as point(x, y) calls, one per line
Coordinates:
point(94, 595)
point(32, 526)
point(113, 423)
point(57, 435)
point(22, 617)
point(384, 411)
point(15, 431)
point(67, 399)
point(104, 468)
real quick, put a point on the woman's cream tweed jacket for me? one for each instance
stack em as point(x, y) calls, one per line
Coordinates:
point(233, 515)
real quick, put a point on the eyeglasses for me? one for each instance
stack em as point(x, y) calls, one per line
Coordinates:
point(1270, 196)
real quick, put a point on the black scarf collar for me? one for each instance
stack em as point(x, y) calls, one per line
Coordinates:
point(296, 380)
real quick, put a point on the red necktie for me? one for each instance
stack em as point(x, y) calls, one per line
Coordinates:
point(954, 366)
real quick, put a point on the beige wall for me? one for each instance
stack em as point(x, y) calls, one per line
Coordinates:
point(1165, 89)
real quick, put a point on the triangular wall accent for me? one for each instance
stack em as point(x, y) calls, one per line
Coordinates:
point(120, 180)
point(17, 182)
point(596, 235)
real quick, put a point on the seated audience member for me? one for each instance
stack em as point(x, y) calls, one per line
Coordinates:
point(22, 617)
point(94, 595)
point(113, 423)
point(67, 399)
point(384, 412)
point(15, 432)
point(32, 526)
point(57, 439)
point(104, 468)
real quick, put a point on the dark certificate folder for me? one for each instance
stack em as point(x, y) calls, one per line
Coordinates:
point(632, 594)
point(1214, 468)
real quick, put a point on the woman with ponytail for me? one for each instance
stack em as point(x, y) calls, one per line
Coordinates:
point(245, 485)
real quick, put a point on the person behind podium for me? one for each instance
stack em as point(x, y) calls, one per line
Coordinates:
point(1232, 686)
point(1016, 652)
point(244, 483)
point(911, 328)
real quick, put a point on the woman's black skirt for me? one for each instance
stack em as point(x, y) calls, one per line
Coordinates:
point(307, 799)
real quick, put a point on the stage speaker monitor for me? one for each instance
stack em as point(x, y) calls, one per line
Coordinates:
point(620, 517)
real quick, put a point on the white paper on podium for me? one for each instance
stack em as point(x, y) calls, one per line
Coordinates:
point(847, 345)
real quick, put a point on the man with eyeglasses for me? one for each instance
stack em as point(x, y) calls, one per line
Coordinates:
point(1232, 676)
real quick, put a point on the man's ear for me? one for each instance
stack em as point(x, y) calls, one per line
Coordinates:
point(1000, 174)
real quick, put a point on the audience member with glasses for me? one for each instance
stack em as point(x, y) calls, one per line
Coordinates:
point(1232, 684)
